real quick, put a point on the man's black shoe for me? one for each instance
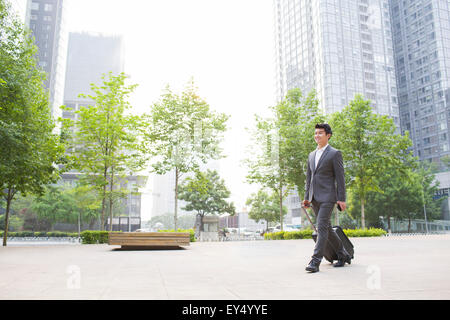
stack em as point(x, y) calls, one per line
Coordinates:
point(341, 262)
point(313, 266)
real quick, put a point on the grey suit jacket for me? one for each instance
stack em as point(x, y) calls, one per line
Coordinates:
point(326, 182)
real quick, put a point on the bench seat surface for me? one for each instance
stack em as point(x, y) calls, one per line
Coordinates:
point(149, 238)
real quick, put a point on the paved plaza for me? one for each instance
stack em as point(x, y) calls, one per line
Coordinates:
point(406, 267)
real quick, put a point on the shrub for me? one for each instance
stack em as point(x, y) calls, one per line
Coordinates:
point(274, 235)
point(301, 234)
point(94, 237)
point(371, 232)
point(191, 233)
point(307, 234)
point(40, 234)
point(58, 234)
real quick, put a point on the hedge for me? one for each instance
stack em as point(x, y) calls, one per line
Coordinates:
point(95, 237)
point(371, 232)
point(307, 234)
point(57, 234)
point(191, 233)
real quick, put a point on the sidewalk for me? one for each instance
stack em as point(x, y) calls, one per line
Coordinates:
point(408, 267)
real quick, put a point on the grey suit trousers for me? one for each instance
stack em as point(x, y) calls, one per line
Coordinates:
point(323, 212)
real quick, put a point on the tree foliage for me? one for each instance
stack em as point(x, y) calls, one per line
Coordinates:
point(29, 149)
point(264, 207)
point(401, 198)
point(296, 117)
point(206, 193)
point(105, 140)
point(369, 146)
point(182, 132)
point(281, 143)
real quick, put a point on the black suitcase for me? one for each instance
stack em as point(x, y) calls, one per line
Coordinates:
point(330, 253)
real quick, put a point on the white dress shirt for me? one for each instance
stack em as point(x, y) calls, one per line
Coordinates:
point(319, 153)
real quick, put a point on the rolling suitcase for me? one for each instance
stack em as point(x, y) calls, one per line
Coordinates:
point(330, 253)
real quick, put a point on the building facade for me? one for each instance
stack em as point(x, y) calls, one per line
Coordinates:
point(46, 19)
point(421, 33)
point(339, 48)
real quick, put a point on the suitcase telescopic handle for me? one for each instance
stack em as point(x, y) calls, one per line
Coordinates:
point(307, 215)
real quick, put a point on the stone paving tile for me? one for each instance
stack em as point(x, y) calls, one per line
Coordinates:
point(410, 267)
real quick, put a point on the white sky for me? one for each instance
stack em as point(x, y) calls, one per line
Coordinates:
point(225, 45)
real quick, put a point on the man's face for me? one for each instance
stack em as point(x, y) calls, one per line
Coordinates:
point(321, 137)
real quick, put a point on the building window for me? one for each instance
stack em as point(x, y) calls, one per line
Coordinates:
point(34, 6)
point(33, 17)
point(48, 7)
point(47, 18)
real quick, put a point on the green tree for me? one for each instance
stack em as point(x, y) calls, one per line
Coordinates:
point(87, 204)
point(106, 141)
point(426, 178)
point(369, 146)
point(296, 117)
point(29, 149)
point(445, 163)
point(402, 197)
point(264, 207)
point(206, 193)
point(55, 205)
point(281, 143)
point(182, 132)
point(399, 198)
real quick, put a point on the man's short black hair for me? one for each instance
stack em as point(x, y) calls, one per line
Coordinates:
point(326, 127)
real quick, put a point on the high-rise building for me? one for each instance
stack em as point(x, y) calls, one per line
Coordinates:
point(46, 19)
point(421, 32)
point(340, 49)
point(89, 57)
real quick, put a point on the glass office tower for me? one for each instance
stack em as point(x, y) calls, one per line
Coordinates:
point(46, 19)
point(340, 48)
point(421, 32)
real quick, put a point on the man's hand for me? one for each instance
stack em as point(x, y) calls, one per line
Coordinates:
point(306, 203)
point(342, 205)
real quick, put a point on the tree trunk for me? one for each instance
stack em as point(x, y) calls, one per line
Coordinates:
point(409, 223)
point(79, 224)
point(202, 226)
point(363, 220)
point(389, 222)
point(8, 204)
point(102, 217)
point(111, 199)
point(281, 207)
point(102, 220)
point(175, 218)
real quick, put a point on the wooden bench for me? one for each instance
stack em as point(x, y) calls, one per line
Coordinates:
point(148, 240)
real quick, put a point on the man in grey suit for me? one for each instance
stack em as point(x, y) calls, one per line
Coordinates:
point(325, 185)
